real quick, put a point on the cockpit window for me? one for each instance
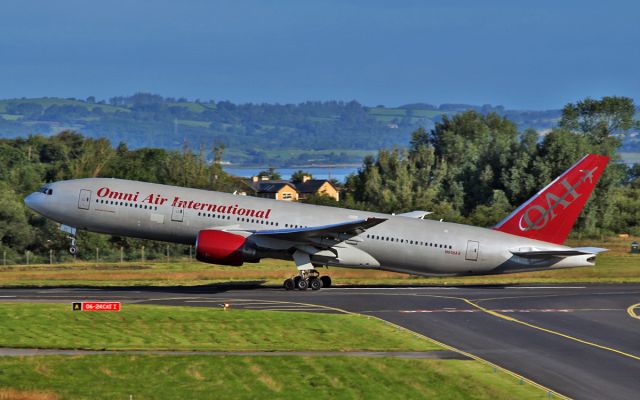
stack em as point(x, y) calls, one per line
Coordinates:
point(46, 190)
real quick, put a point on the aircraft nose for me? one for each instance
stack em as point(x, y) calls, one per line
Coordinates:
point(32, 201)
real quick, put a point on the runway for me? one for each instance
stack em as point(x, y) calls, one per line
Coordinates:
point(582, 341)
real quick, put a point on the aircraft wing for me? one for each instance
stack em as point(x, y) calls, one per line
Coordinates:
point(541, 253)
point(415, 214)
point(340, 230)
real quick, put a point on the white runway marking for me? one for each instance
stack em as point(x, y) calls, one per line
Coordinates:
point(395, 288)
point(205, 301)
point(7, 296)
point(506, 311)
point(274, 307)
point(545, 287)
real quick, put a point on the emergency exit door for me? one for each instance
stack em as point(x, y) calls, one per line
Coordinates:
point(84, 199)
point(473, 248)
point(177, 214)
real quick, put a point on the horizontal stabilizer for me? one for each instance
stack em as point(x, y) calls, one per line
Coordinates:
point(415, 214)
point(541, 253)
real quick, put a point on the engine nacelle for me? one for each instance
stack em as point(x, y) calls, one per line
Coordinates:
point(219, 247)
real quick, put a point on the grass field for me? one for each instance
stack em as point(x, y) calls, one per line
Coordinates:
point(615, 266)
point(150, 376)
point(240, 377)
point(145, 327)
point(630, 158)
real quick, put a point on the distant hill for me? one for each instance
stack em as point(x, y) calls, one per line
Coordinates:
point(330, 132)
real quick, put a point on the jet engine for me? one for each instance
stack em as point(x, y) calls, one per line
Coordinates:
point(219, 247)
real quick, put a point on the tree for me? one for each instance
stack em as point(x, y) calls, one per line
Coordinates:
point(599, 118)
point(299, 175)
point(271, 173)
point(320, 200)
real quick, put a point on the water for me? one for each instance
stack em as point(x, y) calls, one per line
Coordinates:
point(339, 173)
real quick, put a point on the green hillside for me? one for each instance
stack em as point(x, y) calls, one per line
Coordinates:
point(259, 134)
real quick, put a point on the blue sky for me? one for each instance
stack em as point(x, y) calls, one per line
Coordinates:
point(535, 55)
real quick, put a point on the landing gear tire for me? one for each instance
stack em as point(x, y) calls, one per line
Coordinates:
point(302, 284)
point(289, 284)
point(315, 284)
point(326, 281)
point(73, 250)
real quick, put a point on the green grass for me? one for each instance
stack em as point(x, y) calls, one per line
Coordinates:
point(10, 117)
point(615, 266)
point(49, 101)
point(240, 377)
point(396, 112)
point(191, 106)
point(202, 124)
point(428, 113)
point(630, 158)
point(145, 327)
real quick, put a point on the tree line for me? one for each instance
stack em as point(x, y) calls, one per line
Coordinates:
point(470, 168)
point(27, 163)
point(475, 168)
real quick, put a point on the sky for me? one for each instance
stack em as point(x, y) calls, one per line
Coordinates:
point(525, 55)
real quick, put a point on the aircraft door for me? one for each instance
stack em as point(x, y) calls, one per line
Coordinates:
point(84, 199)
point(473, 248)
point(177, 214)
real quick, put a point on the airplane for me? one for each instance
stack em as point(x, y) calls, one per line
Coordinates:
point(231, 229)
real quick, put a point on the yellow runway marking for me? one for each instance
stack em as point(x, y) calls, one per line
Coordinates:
point(575, 339)
point(631, 311)
point(446, 346)
point(474, 357)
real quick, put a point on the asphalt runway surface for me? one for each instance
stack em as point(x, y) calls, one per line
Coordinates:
point(582, 341)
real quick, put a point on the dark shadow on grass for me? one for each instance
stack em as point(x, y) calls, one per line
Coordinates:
point(219, 287)
point(252, 285)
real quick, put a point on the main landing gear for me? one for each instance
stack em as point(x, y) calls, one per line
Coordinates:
point(308, 279)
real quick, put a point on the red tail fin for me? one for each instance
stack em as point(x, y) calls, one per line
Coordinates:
point(552, 212)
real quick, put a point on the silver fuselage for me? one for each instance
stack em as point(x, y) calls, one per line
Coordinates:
point(177, 214)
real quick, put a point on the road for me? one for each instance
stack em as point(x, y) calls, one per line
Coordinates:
point(582, 341)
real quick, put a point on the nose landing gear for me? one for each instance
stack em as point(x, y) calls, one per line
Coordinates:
point(71, 231)
point(73, 249)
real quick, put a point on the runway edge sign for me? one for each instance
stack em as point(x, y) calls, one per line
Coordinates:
point(95, 306)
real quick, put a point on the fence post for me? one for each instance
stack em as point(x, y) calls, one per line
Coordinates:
point(50, 256)
point(4, 258)
point(121, 254)
point(167, 253)
point(97, 255)
point(190, 257)
point(142, 254)
point(26, 253)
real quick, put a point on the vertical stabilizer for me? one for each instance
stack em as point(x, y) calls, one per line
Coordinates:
point(552, 212)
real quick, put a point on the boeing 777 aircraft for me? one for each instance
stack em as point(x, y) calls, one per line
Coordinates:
point(230, 229)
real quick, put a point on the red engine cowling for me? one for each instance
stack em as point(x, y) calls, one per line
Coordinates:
point(218, 247)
